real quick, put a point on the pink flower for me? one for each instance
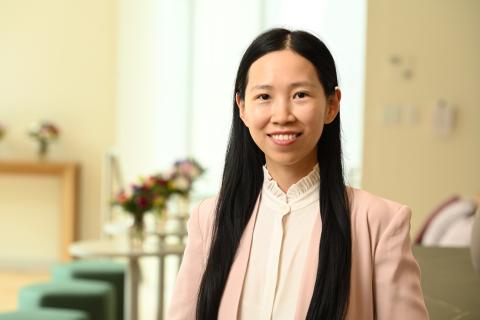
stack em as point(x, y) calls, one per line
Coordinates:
point(189, 168)
point(122, 197)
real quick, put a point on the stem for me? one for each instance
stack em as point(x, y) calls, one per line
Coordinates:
point(43, 148)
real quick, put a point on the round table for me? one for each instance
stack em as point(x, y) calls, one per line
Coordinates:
point(111, 248)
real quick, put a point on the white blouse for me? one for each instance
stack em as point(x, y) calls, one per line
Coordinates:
point(280, 241)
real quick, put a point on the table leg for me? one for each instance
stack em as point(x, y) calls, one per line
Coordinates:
point(161, 279)
point(180, 259)
point(131, 289)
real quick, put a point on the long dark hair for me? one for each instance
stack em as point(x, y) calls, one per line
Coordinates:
point(243, 178)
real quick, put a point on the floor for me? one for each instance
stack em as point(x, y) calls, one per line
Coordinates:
point(11, 281)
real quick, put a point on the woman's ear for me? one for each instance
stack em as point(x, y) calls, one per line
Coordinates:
point(333, 106)
point(241, 107)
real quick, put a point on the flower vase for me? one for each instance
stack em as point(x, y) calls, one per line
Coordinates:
point(183, 205)
point(137, 231)
point(42, 149)
point(160, 220)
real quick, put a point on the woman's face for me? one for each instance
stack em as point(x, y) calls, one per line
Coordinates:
point(285, 108)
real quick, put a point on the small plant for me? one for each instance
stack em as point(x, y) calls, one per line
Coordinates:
point(44, 133)
point(3, 131)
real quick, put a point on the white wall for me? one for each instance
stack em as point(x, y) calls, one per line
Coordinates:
point(223, 31)
point(153, 90)
point(343, 31)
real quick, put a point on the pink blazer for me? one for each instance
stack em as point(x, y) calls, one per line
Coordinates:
point(385, 278)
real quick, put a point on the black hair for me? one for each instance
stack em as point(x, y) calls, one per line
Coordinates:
point(243, 178)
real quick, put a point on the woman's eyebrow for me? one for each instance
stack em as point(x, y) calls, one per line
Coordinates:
point(261, 87)
point(301, 84)
point(291, 86)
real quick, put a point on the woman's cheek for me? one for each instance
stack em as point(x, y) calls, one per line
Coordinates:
point(260, 116)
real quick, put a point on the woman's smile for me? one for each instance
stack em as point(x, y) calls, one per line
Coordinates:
point(284, 138)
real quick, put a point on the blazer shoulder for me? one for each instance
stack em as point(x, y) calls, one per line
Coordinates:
point(377, 213)
point(204, 213)
point(365, 201)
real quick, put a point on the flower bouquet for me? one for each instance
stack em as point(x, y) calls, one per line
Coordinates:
point(137, 200)
point(44, 133)
point(151, 194)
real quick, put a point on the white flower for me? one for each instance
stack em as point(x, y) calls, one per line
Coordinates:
point(181, 183)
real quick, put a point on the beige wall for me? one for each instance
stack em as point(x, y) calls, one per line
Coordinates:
point(403, 158)
point(57, 62)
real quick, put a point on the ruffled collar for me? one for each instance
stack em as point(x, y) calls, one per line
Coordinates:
point(300, 190)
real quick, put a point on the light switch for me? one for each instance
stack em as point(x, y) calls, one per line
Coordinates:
point(392, 114)
point(412, 115)
point(443, 118)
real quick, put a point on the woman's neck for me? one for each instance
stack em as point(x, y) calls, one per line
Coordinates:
point(287, 175)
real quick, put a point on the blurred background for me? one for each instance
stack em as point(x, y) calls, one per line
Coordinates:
point(152, 82)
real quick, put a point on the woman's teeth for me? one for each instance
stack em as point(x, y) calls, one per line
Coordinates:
point(284, 137)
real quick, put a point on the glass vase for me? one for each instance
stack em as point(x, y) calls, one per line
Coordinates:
point(137, 231)
point(42, 149)
point(160, 219)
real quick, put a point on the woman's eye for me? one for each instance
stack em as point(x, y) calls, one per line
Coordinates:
point(263, 96)
point(300, 95)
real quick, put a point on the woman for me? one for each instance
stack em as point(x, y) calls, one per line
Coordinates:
point(285, 238)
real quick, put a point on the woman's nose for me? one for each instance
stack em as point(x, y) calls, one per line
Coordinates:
point(282, 112)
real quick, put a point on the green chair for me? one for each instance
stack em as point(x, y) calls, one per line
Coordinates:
point(45, 314)
point(96, 298)
point(104, 270)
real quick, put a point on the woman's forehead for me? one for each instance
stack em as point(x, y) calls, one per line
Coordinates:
point(285, 68)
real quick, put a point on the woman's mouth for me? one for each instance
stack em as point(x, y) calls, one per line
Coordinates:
point(284, 139)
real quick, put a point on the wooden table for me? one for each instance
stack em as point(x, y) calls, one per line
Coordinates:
point(450, 285)
point(110, 248)
point(68, 173)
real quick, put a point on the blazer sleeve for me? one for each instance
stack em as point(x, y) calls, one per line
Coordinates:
point(397, 288)
point(184, 298)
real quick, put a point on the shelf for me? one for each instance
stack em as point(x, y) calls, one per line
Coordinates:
point(68, 174)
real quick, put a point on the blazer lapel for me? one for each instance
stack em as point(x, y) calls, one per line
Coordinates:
point(310, 271)
point(233, 288)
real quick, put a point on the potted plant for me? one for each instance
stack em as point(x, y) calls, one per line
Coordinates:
point(3, 131)
point(44, 133)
